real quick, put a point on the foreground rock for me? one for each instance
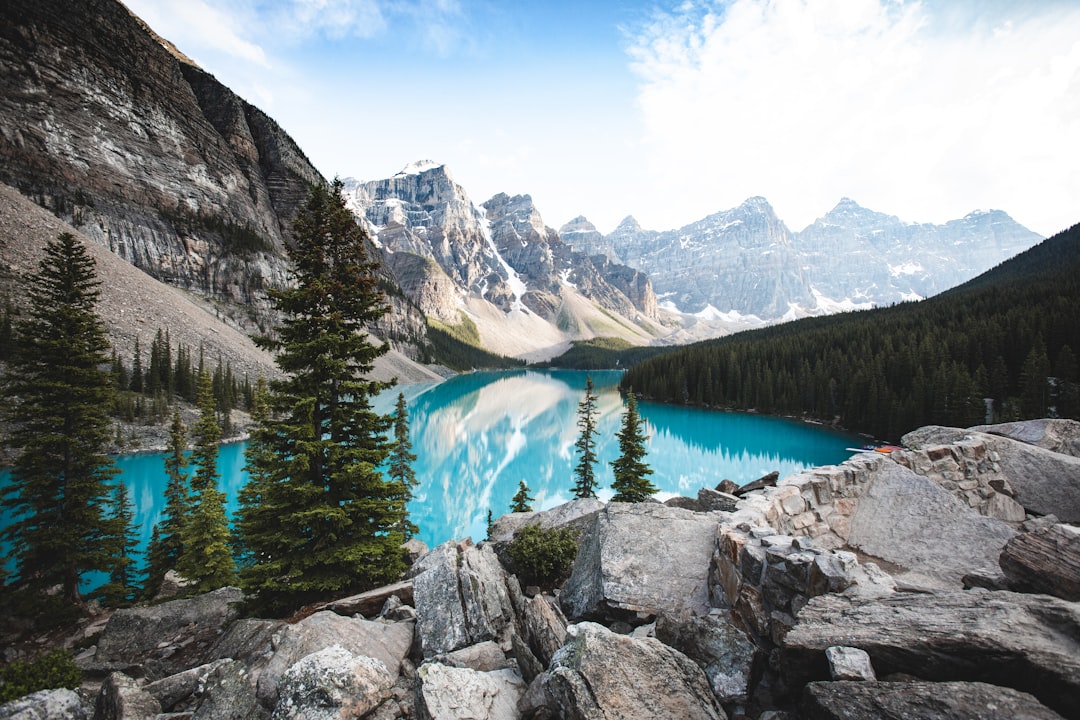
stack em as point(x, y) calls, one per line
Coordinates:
point(165, 639)
point(599, 675)
point(924, 700)
point(463, 597)
point(332, 684)
point(642, 559)
point(62, 703)
point(1060, 436)
point(1043, 481)
point(1028, 642)
point(449, 693)
point(1046, 560)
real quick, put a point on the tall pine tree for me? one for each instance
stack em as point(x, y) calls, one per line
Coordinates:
point(123, 576)
point(401, 460)
point(320, 518)
point(632, 482)
point(585, 474)
point(522, 501)
point(206, 557)
point(60, 389)
point(166, 544)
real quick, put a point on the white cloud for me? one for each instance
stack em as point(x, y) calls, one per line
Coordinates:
point(805, 101)
point(198, 28)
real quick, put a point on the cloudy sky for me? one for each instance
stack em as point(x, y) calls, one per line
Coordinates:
point(670, 111)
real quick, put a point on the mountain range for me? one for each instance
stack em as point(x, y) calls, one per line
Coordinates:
point(113, 130)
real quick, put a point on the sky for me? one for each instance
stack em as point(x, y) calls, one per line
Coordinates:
point(671, 110)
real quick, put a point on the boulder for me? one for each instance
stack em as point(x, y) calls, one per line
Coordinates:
point(722, 650)
point(449, 693)
point(332, 684)
point(642, 558)
point(709, 499)
point(1028, 642)
point(730, 486)
point(161, 640)
point(599, 674)
point(371, 602)
point(1043, 481)
point(388, 643)
point(576, 515)
point(47, 704)
point(545, 627)
point(853, 700)
point(175, 689)
point(247, 639)
point(1058, 435)
point(122, 698)
point(462, 598)
point(229, 694)
point(909, 521)
point(847, 663)
point(485, 657)
point(1046, 560)
point(766, 481)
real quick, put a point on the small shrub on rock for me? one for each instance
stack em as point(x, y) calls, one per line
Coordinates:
point(55, 670)
point(542, 556)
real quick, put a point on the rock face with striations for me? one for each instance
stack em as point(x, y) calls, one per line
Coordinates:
point(117, 132)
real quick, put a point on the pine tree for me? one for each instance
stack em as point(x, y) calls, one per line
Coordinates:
point(166, 544)
point(320, 518)
point(522, 501)
point(123, 584)
point(206, 558)
point(401, 458)
point(632, 482)
point(60, 390)
point(585, 486)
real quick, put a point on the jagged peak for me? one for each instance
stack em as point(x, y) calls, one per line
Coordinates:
point(578, 224)
point(629, 224)
point(419, 167)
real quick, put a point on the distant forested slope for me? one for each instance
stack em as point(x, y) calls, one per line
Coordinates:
point(1010, 334)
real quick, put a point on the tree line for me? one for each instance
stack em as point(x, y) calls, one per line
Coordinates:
point(325, 510)
point(1002, 347)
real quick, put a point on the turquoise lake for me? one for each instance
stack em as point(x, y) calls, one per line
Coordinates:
point(477, 435)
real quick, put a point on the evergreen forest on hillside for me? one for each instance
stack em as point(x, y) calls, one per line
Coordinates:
point(1000, 347)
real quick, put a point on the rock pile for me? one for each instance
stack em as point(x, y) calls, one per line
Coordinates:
point(806, 599)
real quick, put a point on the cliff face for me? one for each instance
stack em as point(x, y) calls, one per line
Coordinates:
point(146, 153)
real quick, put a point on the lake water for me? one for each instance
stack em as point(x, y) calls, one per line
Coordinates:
point(477, 435)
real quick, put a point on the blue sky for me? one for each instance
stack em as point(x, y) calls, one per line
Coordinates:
point(670, 111)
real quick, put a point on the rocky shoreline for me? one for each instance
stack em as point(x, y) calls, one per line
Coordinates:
point(939, 581)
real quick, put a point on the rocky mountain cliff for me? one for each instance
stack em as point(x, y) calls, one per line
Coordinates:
point(497, 262)
point(746, 262)
point(116, 132)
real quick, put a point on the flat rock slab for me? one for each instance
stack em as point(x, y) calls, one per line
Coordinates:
point(371, 602)
point(1028, 642)
point(910, 521)
point(642, 558)
point(1058, 435)
point(1045, 482)
point(164, 639)
point(853, 700)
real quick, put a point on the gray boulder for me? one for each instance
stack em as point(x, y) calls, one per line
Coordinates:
point(545, 627)
point(462, 597)
point(722, 650)
point(229, 694)
point(1028, 642)
point(484, 657)
point(388, 643)
point(642, 558)
point(171, 691)
point(709, 499)
point(371, 602)
point(123, 698)
point(1046, 560)
point(847, 663)
point(1058, 435)
point(1043, 481)
point(911, 522)
point(162, 640)
point(600, 675)
point(450, 693)
point(332, 684)
point(853, 700)
point(576, 515)
point(61, 704)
